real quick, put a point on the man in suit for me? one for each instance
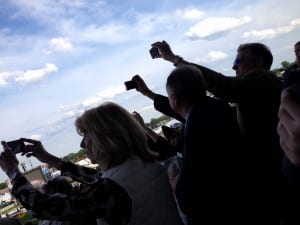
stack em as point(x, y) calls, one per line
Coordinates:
point(256, 93)
point(208, 181)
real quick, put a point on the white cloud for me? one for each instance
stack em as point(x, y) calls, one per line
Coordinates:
point(216, 55)
point(295, 23)
point(59, 45)
point(70, 114)
point(4, 76)
point(213, 25)
point(35, 75)
point(110, 33)
point(2, 82)
point(142, 25)
point(92, 101)
point(107, 93)
point(271, 33)
point(146, 108)
point(212, 56)
point(71, 111)
point(36, 137)
point(190, 14)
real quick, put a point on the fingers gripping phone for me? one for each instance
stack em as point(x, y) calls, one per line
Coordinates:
point(16, 146)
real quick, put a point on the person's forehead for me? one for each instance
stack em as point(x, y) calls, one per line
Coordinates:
point(243, 53)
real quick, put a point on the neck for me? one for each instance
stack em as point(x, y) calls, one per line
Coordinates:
point(184, 110)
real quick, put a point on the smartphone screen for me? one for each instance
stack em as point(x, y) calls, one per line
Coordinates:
point(16, 146)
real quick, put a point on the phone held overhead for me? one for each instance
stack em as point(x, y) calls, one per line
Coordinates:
point(130, 84)
point(154, 52)
point(16, 145)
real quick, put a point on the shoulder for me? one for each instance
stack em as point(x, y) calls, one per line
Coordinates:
point(260, 73)
point(293, 66)
point(211, 112)
point(261, 79)
point(215, 104)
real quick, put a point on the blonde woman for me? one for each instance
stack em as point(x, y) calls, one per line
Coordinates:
point(132, 189)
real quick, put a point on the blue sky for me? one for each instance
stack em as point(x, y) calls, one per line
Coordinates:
point(60, 57)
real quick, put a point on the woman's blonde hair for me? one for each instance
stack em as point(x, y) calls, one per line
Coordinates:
point(115, 134)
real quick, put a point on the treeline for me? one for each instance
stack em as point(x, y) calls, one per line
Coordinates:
point(284, 66)
point(157, 122)
point(74, 157)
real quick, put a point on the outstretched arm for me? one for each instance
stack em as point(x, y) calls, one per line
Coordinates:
point(142, 87)
point(78, 173)
point(167, 54)
point(36, 149)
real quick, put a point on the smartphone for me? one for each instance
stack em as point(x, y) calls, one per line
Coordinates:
point(154, 52)
point(130, 85)
point(16, 146)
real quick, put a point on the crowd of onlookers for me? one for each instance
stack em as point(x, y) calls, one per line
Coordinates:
point(234, 160)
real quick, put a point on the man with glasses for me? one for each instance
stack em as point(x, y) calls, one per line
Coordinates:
point(256, 93)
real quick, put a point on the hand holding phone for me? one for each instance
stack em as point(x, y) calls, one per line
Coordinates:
point(16, 146)
point(154, 52)
point(130, 84)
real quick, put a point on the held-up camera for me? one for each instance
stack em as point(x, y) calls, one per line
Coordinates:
point(130, 84)
point(154, 52)
point(16, 146)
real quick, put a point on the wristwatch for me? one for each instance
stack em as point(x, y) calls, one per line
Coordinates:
point(177, 60)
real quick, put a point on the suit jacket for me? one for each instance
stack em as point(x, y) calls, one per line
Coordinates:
point(210, 160)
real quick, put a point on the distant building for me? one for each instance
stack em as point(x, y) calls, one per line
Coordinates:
point(5, 197)
point(35, 176)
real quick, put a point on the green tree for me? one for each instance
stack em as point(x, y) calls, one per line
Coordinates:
point(157, 122)
point(74, 157)
point(3, 186)
point(284, 65)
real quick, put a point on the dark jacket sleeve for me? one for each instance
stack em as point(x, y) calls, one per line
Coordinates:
point(101, 199)
point(161, 104)
point(163, 147)
point(79, 173)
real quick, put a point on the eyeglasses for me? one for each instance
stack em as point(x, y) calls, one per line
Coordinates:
point(238, 61)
